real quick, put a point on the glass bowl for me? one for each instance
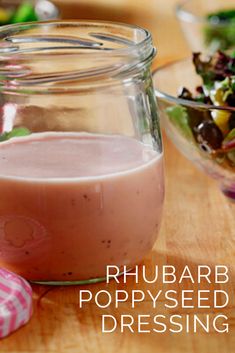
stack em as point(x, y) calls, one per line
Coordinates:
point(202, 33)
point(179, 117)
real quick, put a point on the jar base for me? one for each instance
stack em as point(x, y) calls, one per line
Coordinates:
point(77, 283)
point(70, 283)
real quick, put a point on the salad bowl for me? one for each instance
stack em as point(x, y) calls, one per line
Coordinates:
point(200, 119)
point(208, 25)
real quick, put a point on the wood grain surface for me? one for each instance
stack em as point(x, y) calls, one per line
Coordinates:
point(198, 228)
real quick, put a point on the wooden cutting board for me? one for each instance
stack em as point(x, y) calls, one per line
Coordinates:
point(198, 228)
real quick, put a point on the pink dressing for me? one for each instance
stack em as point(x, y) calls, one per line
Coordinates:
point(72, 203)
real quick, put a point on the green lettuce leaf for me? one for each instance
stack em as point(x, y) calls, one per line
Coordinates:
point(179, 117)
point(16, 132)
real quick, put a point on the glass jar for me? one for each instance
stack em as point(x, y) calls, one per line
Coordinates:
point(81, 167)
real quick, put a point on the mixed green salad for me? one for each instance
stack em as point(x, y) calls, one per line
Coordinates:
point(27, 11)
point(211, 130)
point(220, 32)
point(24, 12)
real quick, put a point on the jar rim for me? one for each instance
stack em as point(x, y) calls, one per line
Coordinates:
point(117, 47)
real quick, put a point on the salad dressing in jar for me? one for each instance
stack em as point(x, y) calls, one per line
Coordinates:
point(81, 167)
